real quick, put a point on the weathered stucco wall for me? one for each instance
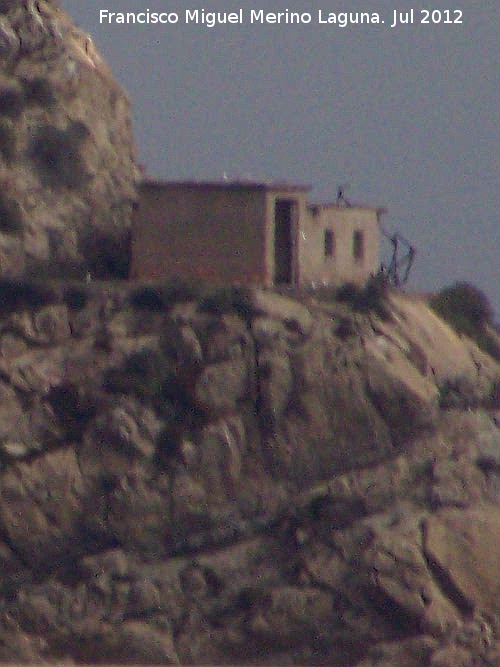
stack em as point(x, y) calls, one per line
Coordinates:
point(340, 265)
point(210, 232)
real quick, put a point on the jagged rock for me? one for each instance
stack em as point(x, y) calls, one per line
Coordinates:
point(405, 399)
point(139, 643)
point(275, 385)
point(22, 324)
point(158, 515)
point(294, 615)
point(144, 599)
point(362, 492)
point(401, 574)
point(413, 652)
point(453, 656)
point(112, 563)
point(222, 447)
point(52, 325)
point(463, 545)
point(190, 347)
point(49, 325)
point(136, 513)
point(130, 427)
point(67, 159)
point(221, 385)
point(118, 439)
point(37, 371)
point(12, 418)
point(24, 432)
point(189, 498)
point(21, 646)
point(41, 503)
point(222, 339)
point(447, 357)
point(293, 315)
point(12, 346)
point(456, 483)
point(269, 333)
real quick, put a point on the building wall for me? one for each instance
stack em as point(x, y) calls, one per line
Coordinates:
point(343, 223)
point(226, 232)
point(200, 232)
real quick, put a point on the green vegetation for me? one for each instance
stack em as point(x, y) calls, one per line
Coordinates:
point(56, 155)
point(160, 297)
point(362, 299)
point(345, 328)
point(75, 297)
point(73, 406)
point(11, 102)
point(149, 299)
point(7, 140)
point(371, 297)
point(227, 300)
point(18, 294)
point(212, 299)
point(11, 217)
point(158, 377)
point(163, 379)
point(106, 256)
point(167, 442)
point(142, 374)
point(38, 91)
point(467, 309)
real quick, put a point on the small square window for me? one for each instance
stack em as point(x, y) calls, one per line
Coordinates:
point(329, 243)
point(358, 245)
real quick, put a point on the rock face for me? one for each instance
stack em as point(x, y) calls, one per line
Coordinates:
point(67, 164)
point(245, 477)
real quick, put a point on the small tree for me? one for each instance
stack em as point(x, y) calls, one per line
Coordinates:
point(464, 306)
point(467, 309)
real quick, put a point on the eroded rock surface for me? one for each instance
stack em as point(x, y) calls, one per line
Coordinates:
point(67, 163)
point(258, 479)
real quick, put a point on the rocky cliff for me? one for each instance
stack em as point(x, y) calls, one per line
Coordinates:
point(241, 476)
point(67, 165)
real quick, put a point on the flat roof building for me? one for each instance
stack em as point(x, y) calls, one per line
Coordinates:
point(250, 232)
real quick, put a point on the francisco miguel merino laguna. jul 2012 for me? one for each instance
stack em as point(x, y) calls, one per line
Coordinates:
point(254, 16)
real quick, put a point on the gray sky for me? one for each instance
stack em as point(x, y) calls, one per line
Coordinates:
point(408, 116)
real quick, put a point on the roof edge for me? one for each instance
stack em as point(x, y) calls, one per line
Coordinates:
point(236, 184)
point(380, 210)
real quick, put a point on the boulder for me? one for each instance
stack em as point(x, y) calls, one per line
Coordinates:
point(38, 371)
point(140, 644)
point(41, 503)
point(463, 546)
point(221, 385)
point(295, 316)
point(401, 576)
point(453, 656)
point(275, 384)
point(413, 652)
point(222, 447)
point(52, 324)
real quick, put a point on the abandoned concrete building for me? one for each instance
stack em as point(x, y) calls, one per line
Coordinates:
point(245, 232)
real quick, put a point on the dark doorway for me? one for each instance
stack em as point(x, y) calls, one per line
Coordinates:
point(284, 218)
point(358, 245)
